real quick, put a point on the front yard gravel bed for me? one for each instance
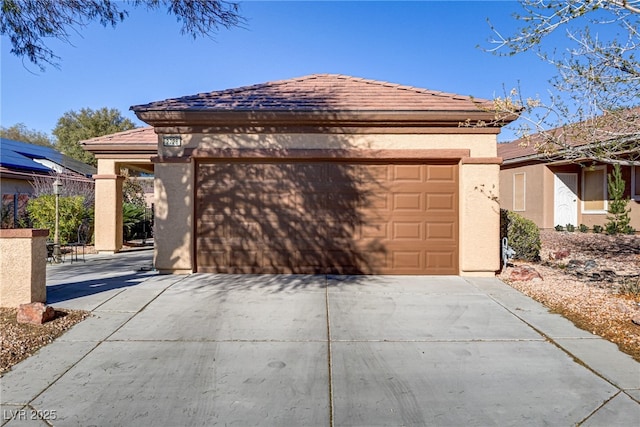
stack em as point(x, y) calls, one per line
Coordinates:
point(591, 279)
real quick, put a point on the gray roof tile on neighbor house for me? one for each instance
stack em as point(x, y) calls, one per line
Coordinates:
point(319, 92)
point(606, 127)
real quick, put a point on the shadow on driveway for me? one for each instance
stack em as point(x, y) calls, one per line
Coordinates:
point(68, 291)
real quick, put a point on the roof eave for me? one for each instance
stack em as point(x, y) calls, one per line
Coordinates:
point(369, 118)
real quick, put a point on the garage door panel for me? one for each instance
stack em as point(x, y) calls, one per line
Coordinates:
point(441, 202)
point(407, 260)
point(408, 173)
point(407, 231)
point(372, 174)
point(373, 230)
point(408, 202)
point(441, 173)
point(327, 218)
point(440, 261)
point(443, 232)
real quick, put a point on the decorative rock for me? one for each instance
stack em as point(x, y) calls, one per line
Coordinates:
point(636, 320)
point(525, 273)
point(561, 254)
point(588, 265)
point(35, 313)
point(574, 264)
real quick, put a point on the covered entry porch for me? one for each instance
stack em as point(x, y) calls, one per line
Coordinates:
point(133, 149)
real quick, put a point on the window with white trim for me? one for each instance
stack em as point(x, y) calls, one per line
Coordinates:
point(519, 191)
point(594, 190)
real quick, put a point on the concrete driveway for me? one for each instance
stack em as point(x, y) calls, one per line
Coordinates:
point(204, 350)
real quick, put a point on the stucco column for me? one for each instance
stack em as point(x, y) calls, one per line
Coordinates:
point(479, 217)
point(173, 221)
point(108, 209)
point(23, 266)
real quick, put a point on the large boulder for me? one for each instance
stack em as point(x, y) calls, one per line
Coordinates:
point(35, 313)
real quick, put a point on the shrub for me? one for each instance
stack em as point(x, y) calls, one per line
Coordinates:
point(523, 236)
point(597, 229)
point(630, 286)
point(42, 212)
point(132, 214)
point(559, 227)
point(570, 228)
point(583, 228)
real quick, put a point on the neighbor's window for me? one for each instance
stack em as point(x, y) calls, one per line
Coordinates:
point(519, 182)
point(635, 182)
point(594, 190)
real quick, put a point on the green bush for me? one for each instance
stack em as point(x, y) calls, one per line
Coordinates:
point(523, 236)
point(132, 214)
point(559, 227)
point(583, 228)
point(597, 229)
point(42, 212)
point(570, 228)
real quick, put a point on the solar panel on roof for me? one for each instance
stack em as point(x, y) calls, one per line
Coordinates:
point(20, 155)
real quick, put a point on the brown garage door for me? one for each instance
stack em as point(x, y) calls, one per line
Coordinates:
point(327, 217)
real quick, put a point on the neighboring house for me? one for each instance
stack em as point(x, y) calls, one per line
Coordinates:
point(317, 174)
point(554, 190)
point(21, 163)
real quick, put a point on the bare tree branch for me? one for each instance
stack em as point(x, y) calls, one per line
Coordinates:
point(595, 96)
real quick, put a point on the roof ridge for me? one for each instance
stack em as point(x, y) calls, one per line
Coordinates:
point(319, 91)
point(383, 83)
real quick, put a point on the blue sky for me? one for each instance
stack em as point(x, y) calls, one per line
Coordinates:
point(428, 44)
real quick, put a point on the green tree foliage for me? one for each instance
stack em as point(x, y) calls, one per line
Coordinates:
point(72, 211)
point(20, 132)
point(618, 219)
point(28, 23)
point(74, 127)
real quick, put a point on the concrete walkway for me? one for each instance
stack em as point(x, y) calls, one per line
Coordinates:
point(204, 350)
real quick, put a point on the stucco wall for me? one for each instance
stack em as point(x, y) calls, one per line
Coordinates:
point(479, 222)
point(480, 145)
point(173, 223)
point(536, 202)
point(23, 266)
point(540, 195)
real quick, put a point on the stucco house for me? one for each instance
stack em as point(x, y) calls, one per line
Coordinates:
point(557, 189)
point(317, 174)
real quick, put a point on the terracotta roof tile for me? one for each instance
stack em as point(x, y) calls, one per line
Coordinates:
point(319, 92)
point(142, 136)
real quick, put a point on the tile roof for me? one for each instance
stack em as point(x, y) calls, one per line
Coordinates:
point(607, 127)
point(143, 135)
point(319, 92)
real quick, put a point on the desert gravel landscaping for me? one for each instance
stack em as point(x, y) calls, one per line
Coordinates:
point(591, 279)
point(20, 340)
